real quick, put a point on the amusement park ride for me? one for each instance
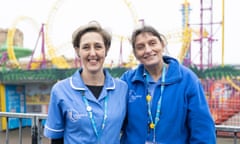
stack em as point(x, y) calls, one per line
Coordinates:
point(221, 83)
point(48, 49)
point(223, 92)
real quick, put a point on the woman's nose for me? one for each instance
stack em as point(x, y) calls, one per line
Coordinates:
point(92, 51)
point(148, 48)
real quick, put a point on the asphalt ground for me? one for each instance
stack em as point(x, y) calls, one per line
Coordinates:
point(27, 139)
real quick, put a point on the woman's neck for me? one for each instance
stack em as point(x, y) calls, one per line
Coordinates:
point(93, 79)
point(155, 71)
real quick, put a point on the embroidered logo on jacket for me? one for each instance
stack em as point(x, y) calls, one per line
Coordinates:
point(133, 96)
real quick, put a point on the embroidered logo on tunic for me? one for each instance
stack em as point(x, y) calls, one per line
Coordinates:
point(74, 115)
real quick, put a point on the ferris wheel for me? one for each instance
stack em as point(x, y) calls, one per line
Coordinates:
point(60, 61)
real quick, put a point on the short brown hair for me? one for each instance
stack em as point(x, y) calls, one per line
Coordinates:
point(146, 29)
point(93, 26)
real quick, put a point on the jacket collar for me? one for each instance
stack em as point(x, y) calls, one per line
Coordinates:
point(173, 73)
point(77, 83)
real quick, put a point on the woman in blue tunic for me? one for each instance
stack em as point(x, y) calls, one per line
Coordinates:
point(166, 102)
point(89, 107)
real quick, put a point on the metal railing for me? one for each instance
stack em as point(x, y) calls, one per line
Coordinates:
point(36, 125)
point(232, 129)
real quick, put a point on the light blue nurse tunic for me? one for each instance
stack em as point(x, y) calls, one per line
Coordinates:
point(68, 116)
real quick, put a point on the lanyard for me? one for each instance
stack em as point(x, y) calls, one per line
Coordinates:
point(154, 123)
point(90, 114)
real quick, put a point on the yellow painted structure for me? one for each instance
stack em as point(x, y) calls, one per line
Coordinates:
point(3, 121)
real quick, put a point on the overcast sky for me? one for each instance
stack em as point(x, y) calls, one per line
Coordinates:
point(120, 17)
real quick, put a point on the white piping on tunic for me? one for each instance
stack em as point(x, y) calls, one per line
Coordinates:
point(61, 130)
point(76, 88)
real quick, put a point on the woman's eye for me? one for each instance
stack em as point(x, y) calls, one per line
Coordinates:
point(139, 47)
point(98, 46)
point(152, 43)
point(85, 47)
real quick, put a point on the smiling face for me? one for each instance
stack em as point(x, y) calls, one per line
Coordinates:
point(148, 49)
point(92, 51)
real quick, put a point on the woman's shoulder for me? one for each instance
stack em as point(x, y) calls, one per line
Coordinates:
point(119, 81)
point(61, 83)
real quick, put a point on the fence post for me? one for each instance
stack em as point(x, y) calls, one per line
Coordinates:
point(34, 131)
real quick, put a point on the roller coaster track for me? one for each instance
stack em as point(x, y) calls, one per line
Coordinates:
point(10, 40)
point(10, 49)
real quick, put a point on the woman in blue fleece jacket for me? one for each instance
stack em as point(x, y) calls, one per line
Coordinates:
point(166, 102)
